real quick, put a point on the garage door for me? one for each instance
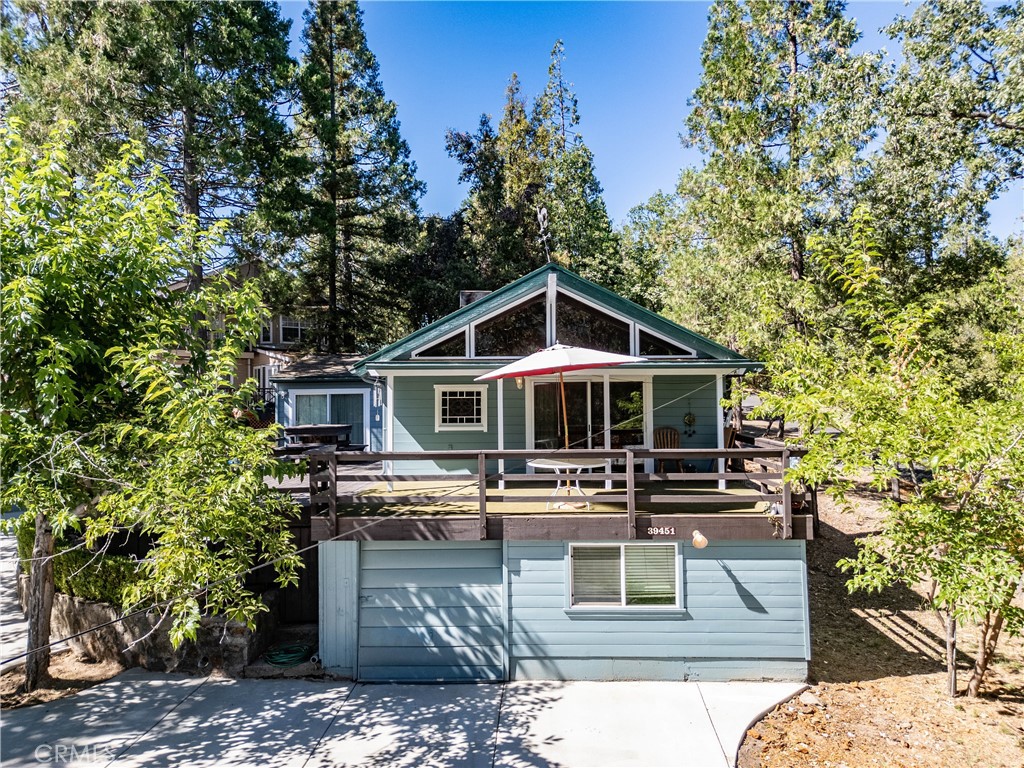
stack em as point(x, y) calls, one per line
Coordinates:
point(430, 611)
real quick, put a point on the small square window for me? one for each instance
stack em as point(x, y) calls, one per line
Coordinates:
point(623, 576)
point(462, 407)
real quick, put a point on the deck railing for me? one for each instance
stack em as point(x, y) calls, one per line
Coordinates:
point(762, 468)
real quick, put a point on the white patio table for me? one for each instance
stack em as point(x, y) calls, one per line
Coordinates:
point(568, 467)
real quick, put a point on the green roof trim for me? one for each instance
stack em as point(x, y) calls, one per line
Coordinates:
point(398, 354)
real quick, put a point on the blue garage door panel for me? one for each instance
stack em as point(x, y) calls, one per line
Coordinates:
point(430, 611)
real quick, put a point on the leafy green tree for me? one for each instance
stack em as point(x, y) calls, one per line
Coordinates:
point(874, 403)
point(781, 115)
point(103, 425)
point(953, 122)
point(648, 240)
point(200, 84)
point(361, 208)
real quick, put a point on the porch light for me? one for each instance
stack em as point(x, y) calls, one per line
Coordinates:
point(699, 540)
point(519, 382)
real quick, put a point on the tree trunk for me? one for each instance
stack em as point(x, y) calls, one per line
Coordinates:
point(189, 173)
point(796, 245)
point(950, 655)
point(40, 603)
point(990, 631)
point(348, 336)
point(333, 314)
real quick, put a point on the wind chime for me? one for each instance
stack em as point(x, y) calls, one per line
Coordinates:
point(689, 420)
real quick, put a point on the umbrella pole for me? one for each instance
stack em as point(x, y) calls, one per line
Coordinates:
point(565, 412)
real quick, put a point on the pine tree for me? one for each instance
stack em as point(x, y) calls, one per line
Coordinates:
point(781, 114)
point(201, 84)
point(581, 232)
point(536, 161)
point(362, 192)
point(501, 231)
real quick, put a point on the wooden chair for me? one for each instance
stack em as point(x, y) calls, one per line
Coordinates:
point(666, 437)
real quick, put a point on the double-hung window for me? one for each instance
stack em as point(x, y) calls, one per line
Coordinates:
point(293, 330)
point(460, 407)
point(624, 576)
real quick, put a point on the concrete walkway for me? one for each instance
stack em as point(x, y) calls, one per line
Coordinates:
point(145, 719)
point(13, 627)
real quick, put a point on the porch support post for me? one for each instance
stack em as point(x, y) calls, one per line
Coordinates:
point(648, 389)
point(550, 298)
point(608, 427)
point(389, 426)
point(787, 499)
point(630, 497)
point(720, 426)
point(481, 468)
point(501, 432)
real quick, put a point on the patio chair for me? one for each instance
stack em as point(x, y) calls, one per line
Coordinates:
point(666, 437)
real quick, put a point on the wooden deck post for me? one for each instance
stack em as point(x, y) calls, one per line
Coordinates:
point(630, 497)
point(323, 484)
point(332, 491)
point(787, 499)
point(482, 479)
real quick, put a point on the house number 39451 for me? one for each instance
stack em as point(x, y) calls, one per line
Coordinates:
point(653, 531)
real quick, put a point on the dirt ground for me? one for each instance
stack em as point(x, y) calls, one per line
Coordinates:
point(69, 673)
point(878, 673)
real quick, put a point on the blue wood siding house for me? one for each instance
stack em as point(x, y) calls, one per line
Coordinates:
point(459, 558)
point(322, 389)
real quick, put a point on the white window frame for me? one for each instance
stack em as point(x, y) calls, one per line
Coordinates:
point(291, 409)
point(267, 334)
point(690, 352)
point(471, 340)
point(291, 322)
point(439, 389)
point(622, 607)
point(419, 353)
point(550, 325)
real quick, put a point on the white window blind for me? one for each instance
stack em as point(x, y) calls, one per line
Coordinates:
point(596, 576)
point(650, 575)
point(624, 575)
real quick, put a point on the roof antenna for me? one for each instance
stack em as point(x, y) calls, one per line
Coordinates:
point(542, 220)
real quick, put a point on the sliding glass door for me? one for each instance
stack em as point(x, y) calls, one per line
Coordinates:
point(586, 412)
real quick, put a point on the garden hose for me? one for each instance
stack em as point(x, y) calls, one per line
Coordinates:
point(288, 655)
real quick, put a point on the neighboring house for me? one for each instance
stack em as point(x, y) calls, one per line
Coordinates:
point(280, 337)
point(321, 389)
point(429, 574)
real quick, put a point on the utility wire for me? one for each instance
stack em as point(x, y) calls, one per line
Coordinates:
point(198, 592)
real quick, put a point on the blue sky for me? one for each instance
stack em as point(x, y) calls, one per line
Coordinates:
point(633, 66)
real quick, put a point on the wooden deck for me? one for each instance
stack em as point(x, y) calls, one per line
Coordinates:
point(361, 496)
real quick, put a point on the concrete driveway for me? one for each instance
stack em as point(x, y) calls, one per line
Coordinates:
point(146, 719)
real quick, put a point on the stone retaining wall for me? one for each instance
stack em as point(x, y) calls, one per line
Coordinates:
point(220, 644)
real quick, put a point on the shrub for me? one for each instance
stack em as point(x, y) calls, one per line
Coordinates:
point(79, 572)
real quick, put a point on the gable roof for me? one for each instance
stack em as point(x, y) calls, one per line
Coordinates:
point(706, 350)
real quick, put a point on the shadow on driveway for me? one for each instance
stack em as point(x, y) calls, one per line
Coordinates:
point(145, 719)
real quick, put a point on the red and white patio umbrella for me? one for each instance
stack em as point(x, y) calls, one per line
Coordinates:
point(559, 359)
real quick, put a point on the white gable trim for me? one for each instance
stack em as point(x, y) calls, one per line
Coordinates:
point(550, 292)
